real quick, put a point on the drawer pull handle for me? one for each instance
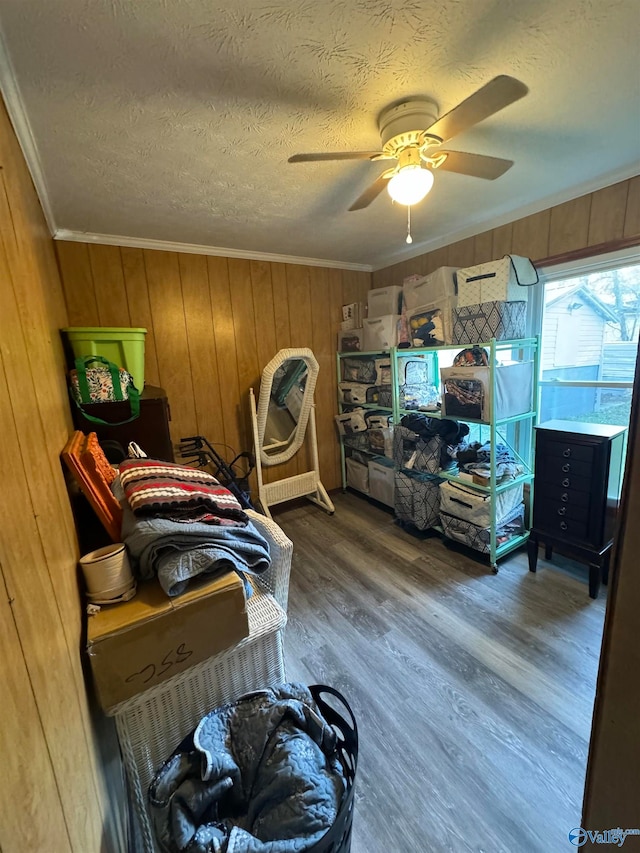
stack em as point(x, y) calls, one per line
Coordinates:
point(566, 467)
point(563, 525)
point(567, 452)
point(564, 497)
point(562, 510)
point(566, 482)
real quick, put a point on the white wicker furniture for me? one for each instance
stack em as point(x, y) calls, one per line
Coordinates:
point(151, 724)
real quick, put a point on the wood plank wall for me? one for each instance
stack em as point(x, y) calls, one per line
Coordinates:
point(604, 217)
point(51, 786)
point(213, 323)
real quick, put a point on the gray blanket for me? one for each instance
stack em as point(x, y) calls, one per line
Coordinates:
point(258, 776)
point(176, 552)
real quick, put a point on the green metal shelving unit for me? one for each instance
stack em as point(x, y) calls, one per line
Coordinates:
point(515, 431)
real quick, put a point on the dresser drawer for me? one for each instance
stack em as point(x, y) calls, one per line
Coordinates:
point(556, 511)
point(556, 495)
point(555, 477)
point(567, 467)
point(566, 528)
point(564, 449)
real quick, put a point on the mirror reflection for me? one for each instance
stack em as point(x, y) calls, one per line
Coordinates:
point(285, 404)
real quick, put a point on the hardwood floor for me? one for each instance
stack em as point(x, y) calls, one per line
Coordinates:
point(473, 692)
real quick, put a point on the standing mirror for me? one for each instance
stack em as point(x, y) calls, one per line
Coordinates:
point(282, 418)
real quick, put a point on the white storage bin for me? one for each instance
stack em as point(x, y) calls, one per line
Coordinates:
point(353, 392)
point(384, 300)
point(382, 482)
point(438, 285)
point(380, 333)
point(352, 422)
point(431, 325)
point(350, 341)
point(474, 506)
point(466, 391)
point(357, 475)
point(505, 280)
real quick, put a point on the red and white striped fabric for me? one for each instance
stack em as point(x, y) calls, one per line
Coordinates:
point(157, 489)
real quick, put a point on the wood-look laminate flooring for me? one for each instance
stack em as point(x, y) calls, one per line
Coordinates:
point(473, 692)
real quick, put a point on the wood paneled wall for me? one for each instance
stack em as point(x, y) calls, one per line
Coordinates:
point(607, 216)
point(51, 785)
point(213, 323)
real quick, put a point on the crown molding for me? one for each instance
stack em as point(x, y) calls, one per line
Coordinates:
point(479, 225)
point(195, 249)
point(22, 127)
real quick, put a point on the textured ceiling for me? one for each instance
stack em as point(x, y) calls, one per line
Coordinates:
point(173, 119)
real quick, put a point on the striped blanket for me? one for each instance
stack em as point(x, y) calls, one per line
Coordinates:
point(156, 489)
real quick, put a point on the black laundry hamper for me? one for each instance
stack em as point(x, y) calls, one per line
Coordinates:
point(338, 838)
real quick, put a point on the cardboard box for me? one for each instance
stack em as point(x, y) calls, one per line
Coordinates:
point(139, 644)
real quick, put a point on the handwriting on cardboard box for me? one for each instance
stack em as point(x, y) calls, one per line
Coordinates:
point(160, 668)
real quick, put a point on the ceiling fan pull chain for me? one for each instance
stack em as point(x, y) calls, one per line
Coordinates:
point(409, 237)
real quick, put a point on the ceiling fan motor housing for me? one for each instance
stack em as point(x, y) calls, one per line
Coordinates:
point(405, 123)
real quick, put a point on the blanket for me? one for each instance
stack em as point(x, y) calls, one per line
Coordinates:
point(155, 488)
point(258, 776)
point(177, 552)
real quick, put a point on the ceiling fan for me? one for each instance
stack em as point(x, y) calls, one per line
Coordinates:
point(411, 133)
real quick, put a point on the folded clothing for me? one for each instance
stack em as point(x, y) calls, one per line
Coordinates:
point(157, 489)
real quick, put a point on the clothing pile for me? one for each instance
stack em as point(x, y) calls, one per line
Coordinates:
point(261, 775)
point(180, 522)
point(450, 433)
point(476, 459)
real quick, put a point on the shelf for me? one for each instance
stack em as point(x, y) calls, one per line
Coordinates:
point(518, 343)
point(367, 406)
point(373, 453)
point(500, 487)
point(511, 544)
point(359, 354)
point(439, 414)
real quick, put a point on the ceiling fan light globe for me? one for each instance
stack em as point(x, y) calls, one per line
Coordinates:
point(410, 184)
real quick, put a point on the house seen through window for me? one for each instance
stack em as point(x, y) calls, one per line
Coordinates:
point(590, 329)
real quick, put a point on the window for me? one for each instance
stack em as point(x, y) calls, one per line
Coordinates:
point(589, 319)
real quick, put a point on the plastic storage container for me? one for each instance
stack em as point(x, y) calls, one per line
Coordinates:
point(122, 346)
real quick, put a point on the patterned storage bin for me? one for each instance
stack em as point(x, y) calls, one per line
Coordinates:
point(413, 453)
point(350, 340)
point(479, 538)
point(504, 321)
point(417, 499)
point(505, 280)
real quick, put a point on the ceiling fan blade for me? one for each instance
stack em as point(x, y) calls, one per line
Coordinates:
point(494, 96)
point(476, 165)
point(333, 155)
point(372, 192)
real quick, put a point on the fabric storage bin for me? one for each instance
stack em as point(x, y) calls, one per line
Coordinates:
point(474, 506)
point(430, 325)
point(436, 286)
point(357, 475)
point(381, 441)
point(417, 499)
point(352, 422)
point(377, 420)
point(479, 538)
point(381, 481)
point(351, 340)
point(412, 452)
point(467, 391)
point(384, 300)
point(352, 392)
point(380, 394)
point(358, 370)
point(505, 280)
point(416, 388)
point(380, 333)
point(504, 321)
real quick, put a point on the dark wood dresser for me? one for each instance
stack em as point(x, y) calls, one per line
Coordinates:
point(578, 478)
point(150, 430)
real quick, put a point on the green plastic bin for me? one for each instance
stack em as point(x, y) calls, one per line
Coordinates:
point(124, 347)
